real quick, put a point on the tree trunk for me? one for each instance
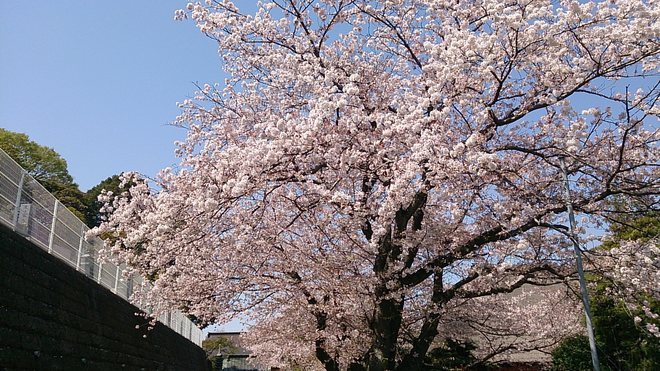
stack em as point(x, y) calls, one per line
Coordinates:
point(386, 324)
point(415, 358)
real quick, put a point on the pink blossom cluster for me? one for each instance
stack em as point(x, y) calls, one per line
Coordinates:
point(634, 270)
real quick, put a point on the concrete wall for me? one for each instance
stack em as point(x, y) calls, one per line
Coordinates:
point(54, 318)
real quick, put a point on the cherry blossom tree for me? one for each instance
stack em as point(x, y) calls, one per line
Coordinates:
point(373, 175)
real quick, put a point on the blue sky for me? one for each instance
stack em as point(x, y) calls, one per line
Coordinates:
point(98, 81)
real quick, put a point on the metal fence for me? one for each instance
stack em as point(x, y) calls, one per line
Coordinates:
point(31, 211)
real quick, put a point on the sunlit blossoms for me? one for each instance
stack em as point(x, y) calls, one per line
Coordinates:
point(374, 176)
point(634, 271)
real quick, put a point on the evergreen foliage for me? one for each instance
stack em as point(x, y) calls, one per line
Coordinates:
point(46, 166)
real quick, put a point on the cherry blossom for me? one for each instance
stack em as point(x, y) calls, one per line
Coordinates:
point(375, 175)
point(633, 268)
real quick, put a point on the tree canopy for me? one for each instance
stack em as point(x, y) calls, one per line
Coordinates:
point(46, 166)
point(374, 174)
point(41, 162)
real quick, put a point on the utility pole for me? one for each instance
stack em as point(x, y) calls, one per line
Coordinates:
point(578, 259)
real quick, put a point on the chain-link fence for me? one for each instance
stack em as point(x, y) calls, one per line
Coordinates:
point(31, 211)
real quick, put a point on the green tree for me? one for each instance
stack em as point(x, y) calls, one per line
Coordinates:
point(622, 344)
point(573, 354)
point(642, 228)
point(71, 197)
point(46, 166)
point(42, 163)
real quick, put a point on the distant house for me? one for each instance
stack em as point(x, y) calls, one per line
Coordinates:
point(234, 357)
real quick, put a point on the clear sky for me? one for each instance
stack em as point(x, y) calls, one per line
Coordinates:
point(98, 81)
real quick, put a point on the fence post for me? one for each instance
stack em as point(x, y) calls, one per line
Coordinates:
point(116, 279)
point(52, 227)
point(98, 277)
point(17, 204)
point(80, 245)
point(129, 287)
